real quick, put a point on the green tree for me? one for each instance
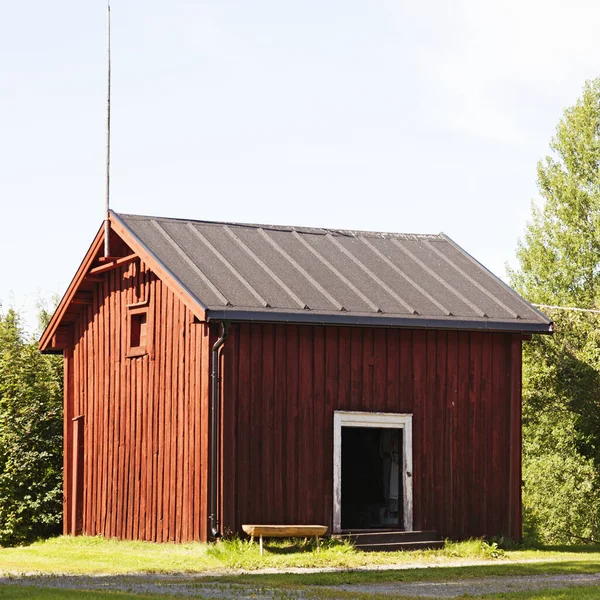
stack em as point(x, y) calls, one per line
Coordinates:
point(559, 261)
point(30, 436)
point(560, 254)
point(561, 382)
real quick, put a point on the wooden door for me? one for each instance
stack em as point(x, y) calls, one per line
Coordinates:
point(77, 481)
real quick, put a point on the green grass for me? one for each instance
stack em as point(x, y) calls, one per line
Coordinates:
point(18, 592)
point(95, 555)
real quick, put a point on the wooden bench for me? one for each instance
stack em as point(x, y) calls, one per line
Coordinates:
point(282, 531)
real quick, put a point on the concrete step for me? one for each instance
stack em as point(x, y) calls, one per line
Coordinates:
point(396, 546)
point(370, 536)
point(391, 540)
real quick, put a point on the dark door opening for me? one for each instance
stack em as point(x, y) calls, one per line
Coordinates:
point(77, 475)
point(372, 494)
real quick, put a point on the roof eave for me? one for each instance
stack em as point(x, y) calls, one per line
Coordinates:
point(313, 318)
point(45, 340)
point(498, 279)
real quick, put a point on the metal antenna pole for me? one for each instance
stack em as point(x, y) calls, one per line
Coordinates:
point(107, 217)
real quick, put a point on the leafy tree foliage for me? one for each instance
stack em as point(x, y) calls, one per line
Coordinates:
point(561, 412)
point(560, 255)
point(30, 436)
point(560, 265)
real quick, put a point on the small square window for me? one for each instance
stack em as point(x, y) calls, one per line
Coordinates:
point(138, 330)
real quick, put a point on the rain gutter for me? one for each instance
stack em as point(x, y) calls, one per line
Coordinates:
point(379, 320)
point(214, 432)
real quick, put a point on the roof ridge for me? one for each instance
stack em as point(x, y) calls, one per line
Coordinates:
point(298, 228)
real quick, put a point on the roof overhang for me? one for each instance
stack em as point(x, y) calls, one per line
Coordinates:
point(391, 321)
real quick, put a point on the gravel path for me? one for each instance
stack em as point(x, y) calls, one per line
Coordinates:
point(191, 586)
point(477, 587)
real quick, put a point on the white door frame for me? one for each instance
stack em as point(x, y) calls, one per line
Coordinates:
point(343, 418)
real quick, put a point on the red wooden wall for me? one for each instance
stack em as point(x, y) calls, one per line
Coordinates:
point(143, 470)
point(283, 382)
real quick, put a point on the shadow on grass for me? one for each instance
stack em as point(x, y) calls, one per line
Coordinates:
point(31, 542)
point(294, 545)
point(236, 548)
point(285, 549)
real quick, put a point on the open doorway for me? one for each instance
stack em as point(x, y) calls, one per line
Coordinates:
point(372, 471)
point(371, 484)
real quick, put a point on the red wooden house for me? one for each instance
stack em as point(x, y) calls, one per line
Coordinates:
point(219, 374)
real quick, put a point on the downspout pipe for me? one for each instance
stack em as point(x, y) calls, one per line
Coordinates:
point(214, 431)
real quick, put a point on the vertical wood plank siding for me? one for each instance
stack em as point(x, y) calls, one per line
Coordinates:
point(145, 425)
point(283, 382)
point(145, 418)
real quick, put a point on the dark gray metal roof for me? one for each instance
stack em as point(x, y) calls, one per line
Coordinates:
point(305, 275)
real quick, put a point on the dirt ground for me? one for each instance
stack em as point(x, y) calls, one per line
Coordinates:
point(184, 585)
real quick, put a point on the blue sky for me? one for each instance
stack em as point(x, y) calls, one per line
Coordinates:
point(359, 114)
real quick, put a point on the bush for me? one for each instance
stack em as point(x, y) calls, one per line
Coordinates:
point(30, 436)
point(561, 433)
